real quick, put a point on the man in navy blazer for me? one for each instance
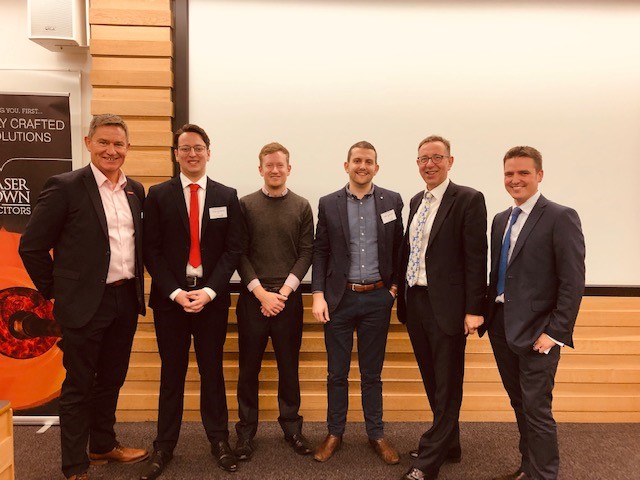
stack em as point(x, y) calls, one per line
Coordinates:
point(443, 281)
point(535, 289)
point(91, 218)
point(194, 232)
point(354, 283)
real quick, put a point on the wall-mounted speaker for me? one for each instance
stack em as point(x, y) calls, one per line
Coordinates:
point(56, 24)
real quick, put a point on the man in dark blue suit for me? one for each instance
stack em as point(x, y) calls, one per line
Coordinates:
point(442, 295)
point(535, 289)
point(194, 234)
point(354, 283)
point(91, 219)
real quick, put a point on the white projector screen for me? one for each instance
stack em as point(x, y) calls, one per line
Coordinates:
point(563, 77)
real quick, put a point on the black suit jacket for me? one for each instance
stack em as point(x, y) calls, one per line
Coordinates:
point(69, 218)
point(167, 241)
point(331, 258)
point(456, 258)
point(545, 276)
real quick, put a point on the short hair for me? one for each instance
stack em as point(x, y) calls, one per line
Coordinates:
point(436, 138)
point(524, 151)
point(362, 144)
point(107, 119)
point(273, 147)
point(190, 127)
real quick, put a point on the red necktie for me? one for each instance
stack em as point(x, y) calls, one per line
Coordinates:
point(194, 227)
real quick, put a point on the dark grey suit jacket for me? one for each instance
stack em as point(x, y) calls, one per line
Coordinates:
point(545, 277)
point(167, 241)
point(69, 218)
point(456, 258)
point(331, 258)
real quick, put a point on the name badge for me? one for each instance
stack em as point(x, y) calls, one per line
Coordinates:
point(388, 216)
point(217, 212)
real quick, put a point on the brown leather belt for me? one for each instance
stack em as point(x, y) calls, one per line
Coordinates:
point(119, 283)
point(365, 287)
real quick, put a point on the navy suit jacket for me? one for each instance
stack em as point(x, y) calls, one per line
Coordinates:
point(167, 241)
point(69, 218)
point(545, 276)
point(456, 258)
point(331, 257)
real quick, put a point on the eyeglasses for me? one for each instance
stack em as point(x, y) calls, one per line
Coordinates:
point(186, 150)
point(436, 159)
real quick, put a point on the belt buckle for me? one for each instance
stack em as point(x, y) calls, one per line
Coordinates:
point(192, 281)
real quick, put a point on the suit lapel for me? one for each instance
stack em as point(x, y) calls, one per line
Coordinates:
point(443, 210)
point(136, 208)
point(527, 228)
point(176, 187)
point(341, 204)
point(92, 189)
point(382, 241)
point(208, 202)
point(496, 240)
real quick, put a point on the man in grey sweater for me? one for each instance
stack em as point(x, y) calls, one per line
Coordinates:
point(279, 249)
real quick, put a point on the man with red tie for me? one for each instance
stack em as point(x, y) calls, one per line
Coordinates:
point(193, 241)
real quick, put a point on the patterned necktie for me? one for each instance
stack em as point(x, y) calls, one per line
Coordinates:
point(504, 253)
point(416, 240)
point(194, 227)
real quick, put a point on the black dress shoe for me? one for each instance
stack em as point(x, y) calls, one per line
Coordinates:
point(244, 449)
point(299, 444)
point(155, 466)
point(453, 456)
point(413, 474)
point(224, 455)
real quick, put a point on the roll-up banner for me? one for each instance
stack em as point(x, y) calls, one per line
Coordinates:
point(35, 143)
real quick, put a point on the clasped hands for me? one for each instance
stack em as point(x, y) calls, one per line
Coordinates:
point(192, 301)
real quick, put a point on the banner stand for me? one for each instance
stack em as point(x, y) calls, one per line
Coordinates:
point(45, 421)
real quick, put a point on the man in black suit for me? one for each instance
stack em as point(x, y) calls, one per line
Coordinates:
point(443, 271)
point(535, 289)
point(354, 283)
point(280, 243)
point(193, 241)
point(91, 218)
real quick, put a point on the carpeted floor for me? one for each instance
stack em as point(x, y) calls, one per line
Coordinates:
point(588, 452)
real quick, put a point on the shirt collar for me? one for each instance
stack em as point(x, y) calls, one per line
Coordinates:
point(101, 177)
point(366, 195)
point(201, 182)
point(438, 192)
point(527, 206)
point(266, 192)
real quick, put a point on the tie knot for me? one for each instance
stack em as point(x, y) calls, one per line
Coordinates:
point(194, 187)
point(428, 196)
point(516, 211)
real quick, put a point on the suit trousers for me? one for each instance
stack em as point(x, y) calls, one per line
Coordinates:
point(529, 379)
point(440, 358)
point(254, 330)
point(96, 358)
point(174, 329)
point(368, 313)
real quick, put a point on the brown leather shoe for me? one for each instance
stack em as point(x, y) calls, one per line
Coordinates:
point(326, 450)
point(119, 454)
point(385, 451)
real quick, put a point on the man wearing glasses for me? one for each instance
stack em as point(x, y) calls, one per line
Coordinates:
point(441, 295)
point(193, 241)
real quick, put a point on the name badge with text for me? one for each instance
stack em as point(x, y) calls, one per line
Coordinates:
point(388, 216)
point(217, 212)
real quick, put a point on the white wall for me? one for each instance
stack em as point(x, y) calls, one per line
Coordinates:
point(318, 76)
point(20, 53)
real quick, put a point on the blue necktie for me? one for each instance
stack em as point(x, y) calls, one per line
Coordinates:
point(413, 266)
point(504, 253)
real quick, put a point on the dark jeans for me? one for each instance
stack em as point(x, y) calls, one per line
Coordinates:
point(96, 357)
point(254, 330)
point(174, 329)
point(529, 381)
point(368, 313)
point(440, 358)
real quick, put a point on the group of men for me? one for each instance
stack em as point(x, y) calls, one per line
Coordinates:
point(192, 233)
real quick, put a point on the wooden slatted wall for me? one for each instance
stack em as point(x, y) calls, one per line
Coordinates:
point(132, 53)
